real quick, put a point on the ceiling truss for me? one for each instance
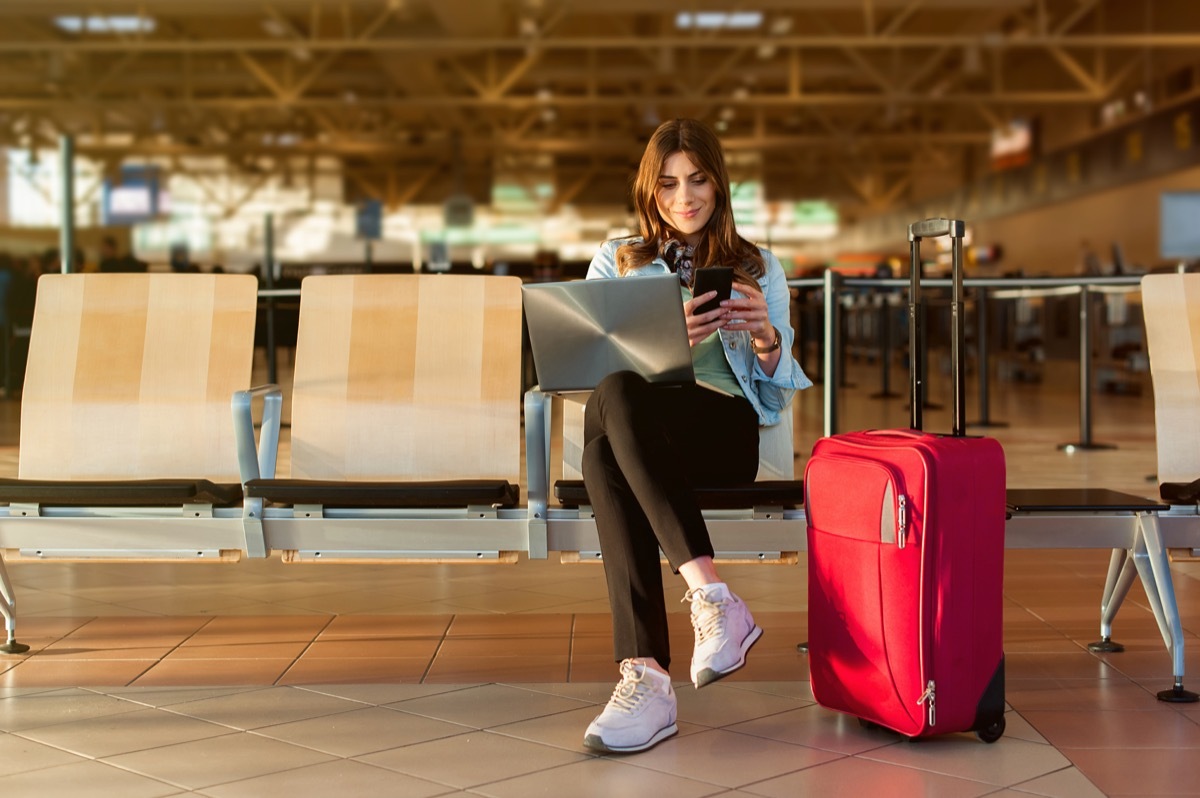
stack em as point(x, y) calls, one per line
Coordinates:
point(850, 99)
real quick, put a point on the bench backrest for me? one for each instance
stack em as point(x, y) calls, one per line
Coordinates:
point(1171, 308)
point(408, 377)
point(130, 376)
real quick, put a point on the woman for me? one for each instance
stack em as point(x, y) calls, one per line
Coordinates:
point(646, 446)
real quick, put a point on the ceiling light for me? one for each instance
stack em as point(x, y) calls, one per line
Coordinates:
point(274, 27)
point(718, 20)
point(106, 23)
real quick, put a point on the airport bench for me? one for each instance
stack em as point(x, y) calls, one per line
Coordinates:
point(406, 440)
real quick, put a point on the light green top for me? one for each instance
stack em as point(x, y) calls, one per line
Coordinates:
point(708, 360)
point(711, 365)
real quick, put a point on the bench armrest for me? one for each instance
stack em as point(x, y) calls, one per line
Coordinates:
point(257, 462)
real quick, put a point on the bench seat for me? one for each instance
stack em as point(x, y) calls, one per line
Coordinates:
point(119, 493)
point(1070, 500)
point(334, 493)
point(784, 493)
point(1180, 492)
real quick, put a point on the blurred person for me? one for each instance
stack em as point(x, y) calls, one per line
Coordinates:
point(112, 260)
point(1089, 261)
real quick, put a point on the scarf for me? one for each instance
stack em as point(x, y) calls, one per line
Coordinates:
point(678, 257)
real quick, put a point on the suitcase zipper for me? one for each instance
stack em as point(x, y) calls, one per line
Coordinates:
point(901, 519)
point(928, 698)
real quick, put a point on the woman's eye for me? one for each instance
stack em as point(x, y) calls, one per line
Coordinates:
point(666, 186)
point(699, 181)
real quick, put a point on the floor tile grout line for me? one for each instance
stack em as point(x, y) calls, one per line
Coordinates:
point(178, 646)
point(307, 646)
point(189, 790)
point(1069, 766)
point(95, 760)
point(441, 642)
point(632, 762)
point(571, 646)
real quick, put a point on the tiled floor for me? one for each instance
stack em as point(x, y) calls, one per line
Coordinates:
point(261, 679)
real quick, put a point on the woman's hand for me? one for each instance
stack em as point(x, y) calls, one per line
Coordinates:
point(700, 326)
point(749, 312)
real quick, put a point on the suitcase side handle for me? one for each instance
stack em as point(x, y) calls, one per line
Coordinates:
point(895, 433)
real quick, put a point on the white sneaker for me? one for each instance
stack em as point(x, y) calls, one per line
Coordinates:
point(725, 631)
point(640, 714)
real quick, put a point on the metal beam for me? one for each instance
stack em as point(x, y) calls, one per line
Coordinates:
point(114, 69)
point(1086, 80)
point(1083, 9)
point(264, 77)
point(522, 143)
point(989, 40)
point(895, 23)
point(522, 102)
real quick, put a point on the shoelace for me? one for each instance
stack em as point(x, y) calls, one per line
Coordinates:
point(708, 617)
point(630, 691)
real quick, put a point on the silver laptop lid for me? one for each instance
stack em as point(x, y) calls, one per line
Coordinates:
point(583, 330)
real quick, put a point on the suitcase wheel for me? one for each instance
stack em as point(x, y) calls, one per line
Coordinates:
point(992, 733)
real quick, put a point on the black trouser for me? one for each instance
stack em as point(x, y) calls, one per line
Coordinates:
point(645, 448)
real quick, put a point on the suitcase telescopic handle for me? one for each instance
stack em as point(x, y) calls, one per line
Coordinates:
point(935, 228)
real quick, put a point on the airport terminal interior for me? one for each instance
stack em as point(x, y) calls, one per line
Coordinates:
point(492, 138)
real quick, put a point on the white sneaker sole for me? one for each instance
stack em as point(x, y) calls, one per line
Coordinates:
point(708, 675)
point(593, 742)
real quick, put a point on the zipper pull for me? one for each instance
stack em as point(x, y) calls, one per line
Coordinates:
point(927, 697)
point(902, 518)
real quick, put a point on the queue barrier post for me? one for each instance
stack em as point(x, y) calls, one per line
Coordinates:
point(1085, 442)
point(832, 347)
point(984, 356)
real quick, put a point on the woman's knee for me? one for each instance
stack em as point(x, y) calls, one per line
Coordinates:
point(614, 396)
point(621, 382)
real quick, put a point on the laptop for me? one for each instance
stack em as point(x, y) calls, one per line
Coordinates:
point(583, 330)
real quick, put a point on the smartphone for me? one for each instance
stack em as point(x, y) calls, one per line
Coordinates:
point(713, 278)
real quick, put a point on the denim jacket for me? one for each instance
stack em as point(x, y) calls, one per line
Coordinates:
point(769, 395)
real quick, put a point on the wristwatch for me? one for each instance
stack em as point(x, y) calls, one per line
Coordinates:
point(770, 348)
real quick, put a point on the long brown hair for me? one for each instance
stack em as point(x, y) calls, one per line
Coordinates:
point(720, 244)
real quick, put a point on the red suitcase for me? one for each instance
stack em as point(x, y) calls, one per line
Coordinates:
point(906, 559)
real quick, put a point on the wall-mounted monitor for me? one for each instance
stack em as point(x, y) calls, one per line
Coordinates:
point(1179, 225)
point(135, 195)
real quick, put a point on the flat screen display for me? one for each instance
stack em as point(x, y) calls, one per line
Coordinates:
point(1179, 225)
